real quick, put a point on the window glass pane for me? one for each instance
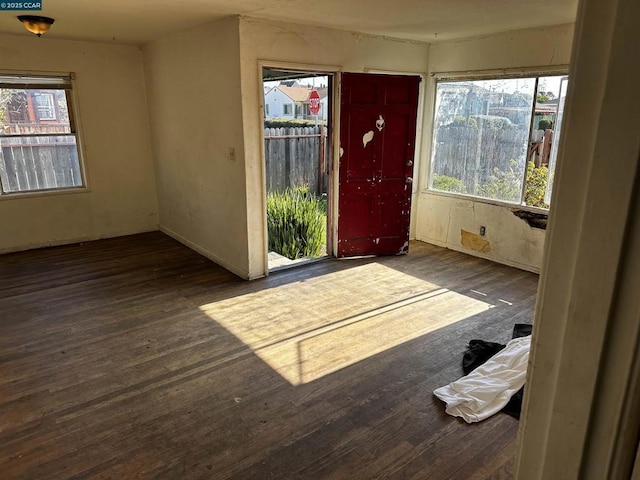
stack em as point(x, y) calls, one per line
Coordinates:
point(544, 140)
point(45, 106)
point(39, 163)
point(562, 96)
point(481, 133)
point(38, 150)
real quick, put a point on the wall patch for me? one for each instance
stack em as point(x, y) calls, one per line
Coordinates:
point(474, 242)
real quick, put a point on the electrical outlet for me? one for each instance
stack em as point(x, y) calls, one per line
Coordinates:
point(483, 230)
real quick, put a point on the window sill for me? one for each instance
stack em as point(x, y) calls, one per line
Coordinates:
point(43, 193)
point(515, 207)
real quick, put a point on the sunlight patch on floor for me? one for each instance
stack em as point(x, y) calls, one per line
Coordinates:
point(306, 330)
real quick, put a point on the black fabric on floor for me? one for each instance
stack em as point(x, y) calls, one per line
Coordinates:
point(514, 407)
point(477, 353)
point(521, 330)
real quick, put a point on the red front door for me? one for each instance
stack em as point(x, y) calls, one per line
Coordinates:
point(377, 140)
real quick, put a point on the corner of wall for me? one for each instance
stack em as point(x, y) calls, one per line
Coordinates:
point(198, 140)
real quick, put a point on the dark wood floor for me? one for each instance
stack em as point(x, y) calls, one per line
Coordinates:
point(137, 358)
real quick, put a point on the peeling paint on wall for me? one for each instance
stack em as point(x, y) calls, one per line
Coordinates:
point(535, 220)
point(474, 242)
point(367, 137)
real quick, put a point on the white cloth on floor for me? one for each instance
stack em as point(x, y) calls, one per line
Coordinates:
point(486, 390)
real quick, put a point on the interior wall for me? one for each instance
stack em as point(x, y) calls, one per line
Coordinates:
point(441, 218)
point(304, 45)
point(114, 126)
point(195, 108)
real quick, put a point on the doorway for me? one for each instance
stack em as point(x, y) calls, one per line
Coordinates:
point(297, 155)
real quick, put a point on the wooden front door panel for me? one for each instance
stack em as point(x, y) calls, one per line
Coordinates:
point(377, 140)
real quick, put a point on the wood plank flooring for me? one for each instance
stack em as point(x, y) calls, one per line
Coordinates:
point(137, 358)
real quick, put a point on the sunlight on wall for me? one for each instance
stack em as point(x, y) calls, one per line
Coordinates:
point(306, 330)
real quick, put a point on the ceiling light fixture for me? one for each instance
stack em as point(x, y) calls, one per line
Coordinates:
point(35, 24)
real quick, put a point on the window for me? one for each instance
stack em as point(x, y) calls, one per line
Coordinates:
point(497, 138)
point(287, 109)
point(36, 155)
point(45, 106)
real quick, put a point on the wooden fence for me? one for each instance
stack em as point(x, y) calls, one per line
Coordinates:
point(471, 154)
point(38, 163)
point(295, 157)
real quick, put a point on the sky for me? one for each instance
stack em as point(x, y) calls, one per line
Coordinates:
point(523, 85)
point(313, 81)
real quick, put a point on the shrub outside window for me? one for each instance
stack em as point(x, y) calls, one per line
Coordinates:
point(38, 136)
point(497, 138)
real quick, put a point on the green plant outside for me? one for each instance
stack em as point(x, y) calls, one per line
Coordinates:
point(504, 185)
point(296, 223)
point(291, 122)
point(545, 124)
point(543, 97)
point(537, 179)
point(448, 184)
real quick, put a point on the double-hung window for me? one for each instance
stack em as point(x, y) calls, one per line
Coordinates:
point(497, 138)
point(39, 148)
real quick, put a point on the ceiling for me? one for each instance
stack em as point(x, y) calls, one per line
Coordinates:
point(139, 21)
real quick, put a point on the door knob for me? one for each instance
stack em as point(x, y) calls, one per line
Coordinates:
point(409, 163)
point(408, 179)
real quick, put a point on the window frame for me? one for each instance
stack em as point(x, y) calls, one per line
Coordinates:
point(74, 125)
point(497, 74)
point(50, 106)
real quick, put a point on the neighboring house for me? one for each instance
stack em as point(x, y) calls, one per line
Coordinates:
point(34, 111)
point(289, 100)
point(324, 103)
point(281, 101)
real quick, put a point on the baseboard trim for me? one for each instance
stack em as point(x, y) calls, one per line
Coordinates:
point(240, 272)
point(72, 241)
point(510, 263)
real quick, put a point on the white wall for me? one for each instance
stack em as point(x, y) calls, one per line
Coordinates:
point(324, 108)
point(193, 83)
point(440, 218)
point(114, 126)
point(304, 45)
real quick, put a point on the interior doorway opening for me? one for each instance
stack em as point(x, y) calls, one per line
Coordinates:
point(297, 154)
